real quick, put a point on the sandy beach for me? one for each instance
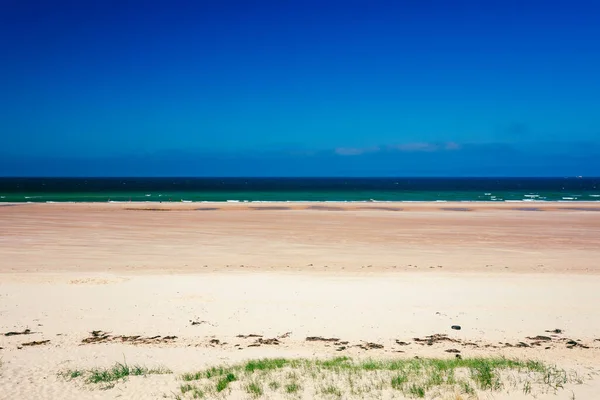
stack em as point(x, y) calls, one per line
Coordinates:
point(192, 285)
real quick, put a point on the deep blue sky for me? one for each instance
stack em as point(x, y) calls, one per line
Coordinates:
point(222, 87)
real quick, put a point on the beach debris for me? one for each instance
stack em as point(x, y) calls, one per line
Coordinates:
point(452, 351)
point(260, 341)
point(252, 335)
point(572, 343)
point(540, 338)
point(36, 343)
point(370, 346)
point(321, 339)
point(24, 332)
point(285, 335)
point(104, 337)
point(400, 343)
point(214, 341)
point(556, 331)
point(458, 356)
point(200, 323)
point(341, 348)
point(97, 336)
point(522, 344)
point(456, 327)
point(144, 340)
point(272, 341)
point(430, 340)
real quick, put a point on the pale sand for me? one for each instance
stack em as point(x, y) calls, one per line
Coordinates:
point(361, 275)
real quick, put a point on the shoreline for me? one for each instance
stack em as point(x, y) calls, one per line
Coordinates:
point(292, 204)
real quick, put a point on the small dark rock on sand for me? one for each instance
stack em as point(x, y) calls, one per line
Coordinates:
point(452, 351)
point(456, 327)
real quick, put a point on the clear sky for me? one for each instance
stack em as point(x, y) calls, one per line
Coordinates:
point(300, 87)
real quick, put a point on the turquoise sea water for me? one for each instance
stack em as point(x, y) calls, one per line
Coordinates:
point(297, 189)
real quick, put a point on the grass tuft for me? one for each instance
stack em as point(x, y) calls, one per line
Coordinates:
point(266, 364)
point(292, 388)
point(331, 390)
point(416, 391)
point(398, 381)
point(108, 376)
point(254, 389)
point(225, 381)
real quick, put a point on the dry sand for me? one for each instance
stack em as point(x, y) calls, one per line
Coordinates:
point(363, 273)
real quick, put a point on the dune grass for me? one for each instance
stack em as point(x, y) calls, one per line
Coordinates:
point(106, 377)
point(343, 377)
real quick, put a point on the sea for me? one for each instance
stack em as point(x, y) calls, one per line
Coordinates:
point(571, 189)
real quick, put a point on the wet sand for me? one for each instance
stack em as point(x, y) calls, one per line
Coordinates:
point(172, 238)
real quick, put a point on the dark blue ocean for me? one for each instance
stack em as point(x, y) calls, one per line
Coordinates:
point(297, 189)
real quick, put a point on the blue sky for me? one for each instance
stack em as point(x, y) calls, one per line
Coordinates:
point(331, 87)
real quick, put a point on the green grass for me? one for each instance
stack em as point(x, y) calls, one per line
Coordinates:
point(415, 378)
point(485, 375)
point(120, 371)
point(266, 364)
point(108, 376)
point(416, 391)
point(292, 388)
point(254, 389)
point(331, 390)
point(71, 374)
point(343, 377)
point(224, 381)
point(196, 392)
point(398, 381)
point(466, 388)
